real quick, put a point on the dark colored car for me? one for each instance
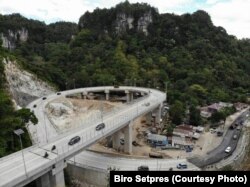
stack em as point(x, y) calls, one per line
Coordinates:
point(58, 93)
point(44, 98)
point(34, 106)
point(232, 127)
point(100, 126)
point(74, 140)
point(219, 133)
point(182, 166)
point(143, 168)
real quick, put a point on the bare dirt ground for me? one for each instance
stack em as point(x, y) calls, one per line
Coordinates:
point(63, 111)
point(79, 110)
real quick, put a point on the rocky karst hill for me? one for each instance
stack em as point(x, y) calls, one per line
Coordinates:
point(24, 86)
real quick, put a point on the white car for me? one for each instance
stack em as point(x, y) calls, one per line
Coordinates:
point(228, 149)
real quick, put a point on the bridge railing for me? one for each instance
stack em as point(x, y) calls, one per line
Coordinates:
point(96, 119)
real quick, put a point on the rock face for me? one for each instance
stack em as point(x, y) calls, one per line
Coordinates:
point(123, 23)
point(9, 40)
point(24, 86)
point(126, 22)
point(60, 109)
point(143, 22)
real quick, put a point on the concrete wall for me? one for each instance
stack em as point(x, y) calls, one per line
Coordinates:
point(89, 176)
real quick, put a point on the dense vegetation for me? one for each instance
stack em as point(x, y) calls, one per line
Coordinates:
point(199, 62)
point(10, 119)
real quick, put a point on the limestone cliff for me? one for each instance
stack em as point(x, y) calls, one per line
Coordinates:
point(10, 39)
point(24, 86)
point(126, 22)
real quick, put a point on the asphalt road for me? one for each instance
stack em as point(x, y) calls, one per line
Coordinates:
point(12, 170)
point(219, 153)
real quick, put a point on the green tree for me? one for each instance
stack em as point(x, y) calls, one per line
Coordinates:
point(177, 111)
point(194, 116)
point(218, 116)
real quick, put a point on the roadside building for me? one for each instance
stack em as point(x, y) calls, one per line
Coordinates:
point(157, 140)
point(207, 111)
point(187, 131)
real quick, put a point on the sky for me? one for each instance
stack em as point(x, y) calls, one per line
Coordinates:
point(233, 15)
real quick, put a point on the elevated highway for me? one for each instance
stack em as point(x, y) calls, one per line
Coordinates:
point(12, 171)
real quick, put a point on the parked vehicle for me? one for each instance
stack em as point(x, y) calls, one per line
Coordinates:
point(58, 93)
point(232, 126)
point(155, 155)
point(235, 137)
point(74, 140)
point(238, 128)
point(219, 133)
point(100, 126)
point(143, 168)
point(44, 98)
point(182, 166)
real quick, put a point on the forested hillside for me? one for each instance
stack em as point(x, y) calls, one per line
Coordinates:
point(132, 44)
point(11, 119)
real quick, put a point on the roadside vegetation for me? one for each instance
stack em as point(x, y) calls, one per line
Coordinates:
point(199, 62)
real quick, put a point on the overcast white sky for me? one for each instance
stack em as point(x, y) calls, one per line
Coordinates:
point(233, 15)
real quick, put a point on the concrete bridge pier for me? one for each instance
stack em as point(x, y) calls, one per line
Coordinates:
point(57, 179)
point(116, 140)
point(148, 117)
point(44, 180)
point(54, 178)
point(158, 114)
point(107, 94)
point(128, 138)
point(85, 95)
point(129, 96)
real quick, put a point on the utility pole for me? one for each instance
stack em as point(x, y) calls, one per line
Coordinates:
point(166, 90)
point(45, 127)
point(18, 132)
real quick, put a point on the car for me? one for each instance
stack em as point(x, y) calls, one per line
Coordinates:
point(219, 133)
point(58, 93)
point(182, 166)
point(74, 140)
point(232, 127)
point(212, 131)
point(100, 126)
point(34, 106)
point(228, 149)
point(235, 137)
point(147, 104)
point(44, 98)
point(143, 168)
point(238, 128)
